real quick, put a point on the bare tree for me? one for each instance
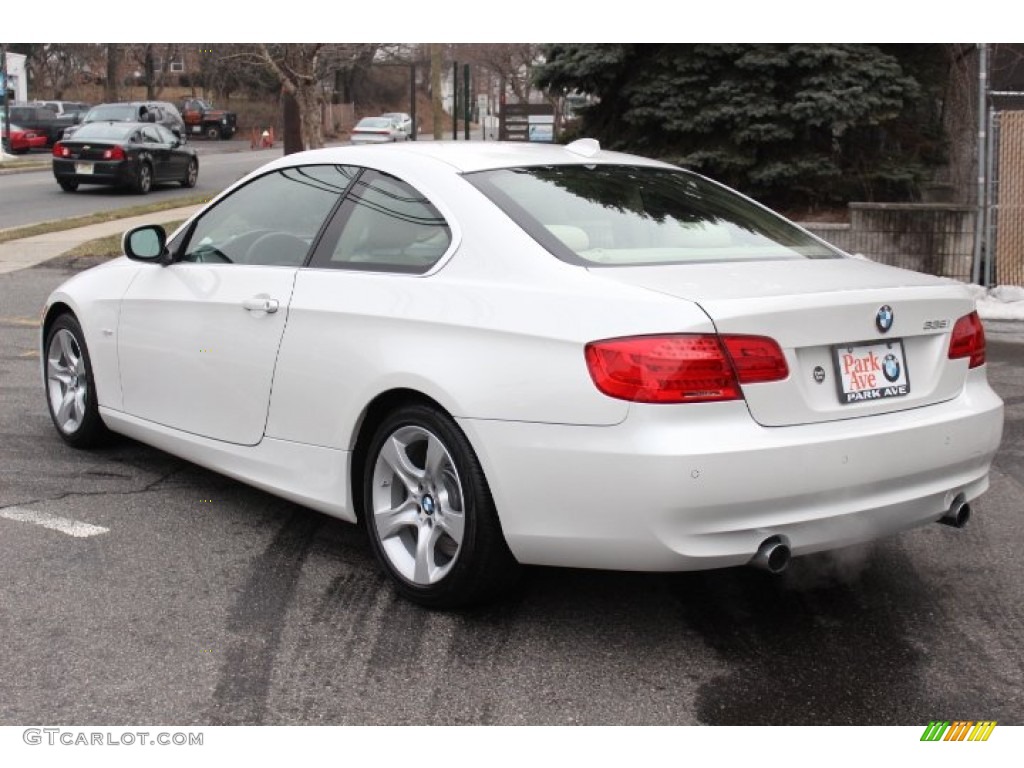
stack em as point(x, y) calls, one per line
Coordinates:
point(512, 63)
point(113, 87)
point(296, 66)
point(57, 67)
point(153, 62)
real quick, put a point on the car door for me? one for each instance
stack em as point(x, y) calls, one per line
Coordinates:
point(177, 157)
point(198, 339)
point(158, 151)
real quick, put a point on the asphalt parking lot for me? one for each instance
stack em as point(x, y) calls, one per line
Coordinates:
point(192, 599)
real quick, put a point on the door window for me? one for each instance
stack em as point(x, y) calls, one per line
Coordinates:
point(385, 225)
point(273, 220)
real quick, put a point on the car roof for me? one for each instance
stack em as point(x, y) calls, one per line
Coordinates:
point(470, 156)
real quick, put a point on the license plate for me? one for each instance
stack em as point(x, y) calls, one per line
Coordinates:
point(197, 128)
point(871, 371)
point(83, 169)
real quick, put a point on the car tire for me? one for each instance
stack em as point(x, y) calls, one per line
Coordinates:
point(191, 174)
point(429, 514)
point(70, 386)
point(144, 178)
point(68, 186)
point(213, 132)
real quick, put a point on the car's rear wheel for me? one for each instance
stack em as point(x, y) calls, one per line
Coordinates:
point(191, 175)
point(429, 513)
point(213, 132)
point(70, 386)
point(144, 178)
point(68, 186)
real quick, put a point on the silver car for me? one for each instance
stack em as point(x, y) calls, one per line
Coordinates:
point(377, 130)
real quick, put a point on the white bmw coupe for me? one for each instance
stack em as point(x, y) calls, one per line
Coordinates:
point(493, 355)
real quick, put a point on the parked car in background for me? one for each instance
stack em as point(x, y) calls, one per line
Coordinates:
point(135, 155)
point(41, 120)
point(73, 109)
point(377, 130)
point(201, 119)
point(402, 119)
point(500, 354)
point(161, 113)
point(20, 140)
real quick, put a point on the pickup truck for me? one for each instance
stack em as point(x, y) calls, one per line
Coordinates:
point(202, 119)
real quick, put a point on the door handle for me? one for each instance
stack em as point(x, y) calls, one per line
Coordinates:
point(261, 304)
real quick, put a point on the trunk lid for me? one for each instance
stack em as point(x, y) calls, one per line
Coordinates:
point(824, 313)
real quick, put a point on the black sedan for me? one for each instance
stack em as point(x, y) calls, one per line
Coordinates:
point(136, 155)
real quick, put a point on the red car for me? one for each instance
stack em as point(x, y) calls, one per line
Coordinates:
point(22, 140)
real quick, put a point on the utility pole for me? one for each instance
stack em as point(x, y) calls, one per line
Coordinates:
point(981, 217)
point(455, 100)
point(3, 80)
point(436, 64)
point(465, 98)
point(412, 100)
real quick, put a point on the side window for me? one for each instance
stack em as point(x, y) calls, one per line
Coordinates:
point(272, 220)
point(385, 225)
point(149, 134)
point(166, 137)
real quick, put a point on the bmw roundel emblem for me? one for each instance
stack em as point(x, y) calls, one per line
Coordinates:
point(891, 367)
point(884, 318)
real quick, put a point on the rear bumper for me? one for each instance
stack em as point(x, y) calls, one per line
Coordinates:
point(370, 138)
point(701, 486)
point(118, 173)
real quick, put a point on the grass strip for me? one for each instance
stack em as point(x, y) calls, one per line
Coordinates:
point(61, 225)
point(109, 247)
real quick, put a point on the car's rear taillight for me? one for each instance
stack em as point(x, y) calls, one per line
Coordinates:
point(114, 153)
point(756, 359)
point(59, 150)
point(683, 368)
point(968, 340)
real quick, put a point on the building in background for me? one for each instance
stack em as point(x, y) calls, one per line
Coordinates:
point(17, 82)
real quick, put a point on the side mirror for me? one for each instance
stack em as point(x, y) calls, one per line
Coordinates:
point(147, 244)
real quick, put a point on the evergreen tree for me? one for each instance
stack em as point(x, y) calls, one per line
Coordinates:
point(787, 123)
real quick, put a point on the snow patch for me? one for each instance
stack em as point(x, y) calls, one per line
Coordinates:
point(1003, 302)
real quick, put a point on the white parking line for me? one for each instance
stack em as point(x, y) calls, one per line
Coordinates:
point(53, 522)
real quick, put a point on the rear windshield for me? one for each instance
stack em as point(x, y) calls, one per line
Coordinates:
point(104, 131)
point(616, 215)
point(374, 122)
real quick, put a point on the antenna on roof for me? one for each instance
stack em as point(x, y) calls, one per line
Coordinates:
point(584, 147)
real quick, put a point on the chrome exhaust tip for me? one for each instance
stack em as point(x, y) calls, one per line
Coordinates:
point(958, 514)
point(773, 555)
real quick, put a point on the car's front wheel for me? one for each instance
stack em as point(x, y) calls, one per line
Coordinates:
point(70, 386)
point(429, 513)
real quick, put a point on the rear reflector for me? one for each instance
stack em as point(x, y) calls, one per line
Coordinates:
point(968, 340)
point(684, 368)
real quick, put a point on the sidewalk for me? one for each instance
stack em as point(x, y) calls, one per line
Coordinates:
point(20, 254)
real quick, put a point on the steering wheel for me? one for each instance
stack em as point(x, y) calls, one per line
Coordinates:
point(277, 248)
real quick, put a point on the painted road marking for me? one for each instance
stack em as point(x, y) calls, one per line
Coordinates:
point(65, 525)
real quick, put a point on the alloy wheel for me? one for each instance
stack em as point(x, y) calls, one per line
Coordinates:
point(418, 505)
point(67, 381)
